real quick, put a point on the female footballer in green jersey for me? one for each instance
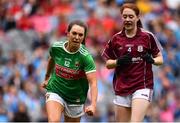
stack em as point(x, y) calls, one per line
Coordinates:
point(70, 72)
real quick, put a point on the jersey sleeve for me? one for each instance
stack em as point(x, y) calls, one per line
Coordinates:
point(89, 64)
point(108, 52)
point(155, 46)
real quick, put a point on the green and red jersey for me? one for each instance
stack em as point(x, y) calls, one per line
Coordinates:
point(68, 78)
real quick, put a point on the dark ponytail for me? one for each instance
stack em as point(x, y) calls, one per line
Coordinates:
point(139, 24)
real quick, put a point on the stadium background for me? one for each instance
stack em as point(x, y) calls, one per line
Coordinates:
point(28, 27)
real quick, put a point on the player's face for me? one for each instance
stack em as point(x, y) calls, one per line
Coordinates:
point(129, 19)
point(76, 35)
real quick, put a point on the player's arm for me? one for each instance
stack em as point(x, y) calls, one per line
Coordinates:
point(158, 59)
point(155, 56)
point(90, 110)
point(90, 69)
point(50, 67)
point(109, 55)
point(110, 64)
point(123, 60)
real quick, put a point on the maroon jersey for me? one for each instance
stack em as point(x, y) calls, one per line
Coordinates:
point(138, 74)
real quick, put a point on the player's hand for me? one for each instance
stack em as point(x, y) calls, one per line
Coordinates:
point(147, 57)
point(126, 59)
point(90, 110)
point(44, 84)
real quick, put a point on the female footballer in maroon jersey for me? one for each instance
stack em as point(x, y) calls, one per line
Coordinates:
point(132, 52)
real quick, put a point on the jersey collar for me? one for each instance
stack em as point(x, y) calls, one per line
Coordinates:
point(138, 33)
point(68, 51)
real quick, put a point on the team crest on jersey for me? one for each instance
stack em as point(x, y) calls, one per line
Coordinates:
point(77, 64)
point(140, 48)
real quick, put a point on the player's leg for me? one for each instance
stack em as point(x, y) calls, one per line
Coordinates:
point(140, 103)
point(54, 107)
point(122, 108)
point(73, 112)
point(69, 119)
point(54, 111)
point(122, 114)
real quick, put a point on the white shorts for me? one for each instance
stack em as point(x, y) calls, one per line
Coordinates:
point(71, 110)
point(127, 100)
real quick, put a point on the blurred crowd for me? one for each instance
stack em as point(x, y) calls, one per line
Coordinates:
point(29, 27)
